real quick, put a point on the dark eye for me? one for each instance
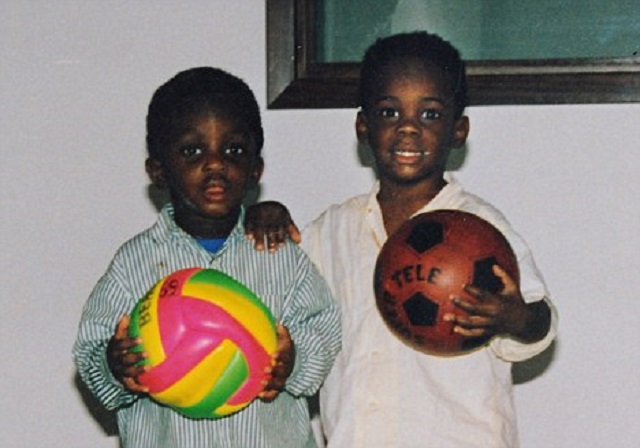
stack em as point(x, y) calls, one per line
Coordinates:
point(191, 152)
point(386, 113)
point(235, 149)
point(430, 115)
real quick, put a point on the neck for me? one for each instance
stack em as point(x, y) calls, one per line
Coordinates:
point(399, 202)
point(200, 226)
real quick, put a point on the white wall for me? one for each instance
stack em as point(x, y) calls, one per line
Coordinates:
point(75, 80)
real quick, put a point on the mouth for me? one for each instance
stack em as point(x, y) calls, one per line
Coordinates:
point(405, 155)
point(215, 189)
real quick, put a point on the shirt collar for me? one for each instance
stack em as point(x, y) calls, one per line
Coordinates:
point(374, 215)
point(445, 197)
point(441, 200)
point(167, 227)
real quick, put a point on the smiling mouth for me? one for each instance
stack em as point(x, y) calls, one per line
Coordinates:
point(409, 153)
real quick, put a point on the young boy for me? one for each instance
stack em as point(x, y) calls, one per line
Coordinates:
point(380, 392)
point(204, 137)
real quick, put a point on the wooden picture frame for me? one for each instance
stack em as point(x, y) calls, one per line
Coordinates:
point(295, 80)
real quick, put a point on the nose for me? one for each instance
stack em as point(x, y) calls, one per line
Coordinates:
point(408, 125)
point(214, 161)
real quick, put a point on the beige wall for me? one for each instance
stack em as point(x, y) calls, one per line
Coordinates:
point(75, 79)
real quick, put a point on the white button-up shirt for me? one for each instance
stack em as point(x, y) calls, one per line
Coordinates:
point(382, 393)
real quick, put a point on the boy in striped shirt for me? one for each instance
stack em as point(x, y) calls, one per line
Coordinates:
point(204, 138)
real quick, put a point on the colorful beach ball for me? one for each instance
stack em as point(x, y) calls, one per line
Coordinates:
point(208, 339)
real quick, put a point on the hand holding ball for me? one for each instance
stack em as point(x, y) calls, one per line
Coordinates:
point(208, 340)
point(428, 260)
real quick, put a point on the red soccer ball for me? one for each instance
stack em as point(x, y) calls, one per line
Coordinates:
point(428, 259)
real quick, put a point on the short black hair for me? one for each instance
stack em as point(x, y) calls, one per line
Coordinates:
point(419, 45)
point(197, 91)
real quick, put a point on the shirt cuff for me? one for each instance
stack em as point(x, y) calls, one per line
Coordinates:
point(512, 350)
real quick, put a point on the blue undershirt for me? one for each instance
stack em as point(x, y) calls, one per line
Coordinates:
point(211, 245)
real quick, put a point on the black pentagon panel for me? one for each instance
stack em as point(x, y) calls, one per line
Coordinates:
point(483, 276)
point(421, 310)
point(425, 235)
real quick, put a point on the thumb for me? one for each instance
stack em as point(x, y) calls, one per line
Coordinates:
point(122, 329)
point(510, 285)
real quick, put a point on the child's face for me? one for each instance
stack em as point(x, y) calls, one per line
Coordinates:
point(209, 166)
point(410, 123)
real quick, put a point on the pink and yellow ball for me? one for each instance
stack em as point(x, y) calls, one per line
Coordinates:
point(208, 339)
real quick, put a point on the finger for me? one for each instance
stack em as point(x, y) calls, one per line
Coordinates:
point(490, 307)
point(276, 382)
point(133, 385)
point(510, 285)
point(459, 302)
point(249, 230)
point(470, 332)
point(267, 377)
point(294, 233)
point(258, 239)
point(476, 321)
point(275, 238)
point(268, 388)
point(122, 328)
point(286, 348)
point(128, 344)
point(283, 332)
point(268, 395)
point(134, 371)
point(133, 358)
point(120, 343)
point(477, 293)
point(465, 319)
point(259, 244)
point(471, 327)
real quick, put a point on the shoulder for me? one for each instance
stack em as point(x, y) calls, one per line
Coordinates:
point(337, 214)
point(484, 209)
point(287, 257)
point(454, 196)
point(490, 213)
point(148, 254)
point(137, 245)
point(267, 273)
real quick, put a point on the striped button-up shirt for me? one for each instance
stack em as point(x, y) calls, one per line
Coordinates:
point(286, 281)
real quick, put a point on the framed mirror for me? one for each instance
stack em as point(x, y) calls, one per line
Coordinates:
point(517, 51)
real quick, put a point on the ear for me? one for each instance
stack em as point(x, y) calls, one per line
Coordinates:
point(460, 131)
point(258, 169)
point(362, 128)
point(155, 172)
